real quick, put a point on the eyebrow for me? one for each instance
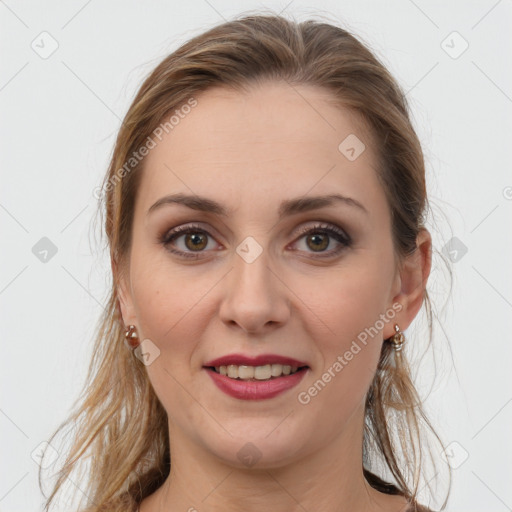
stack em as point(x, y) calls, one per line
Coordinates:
point(288, 206)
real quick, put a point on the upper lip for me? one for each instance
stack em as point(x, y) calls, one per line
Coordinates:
point(261, 360)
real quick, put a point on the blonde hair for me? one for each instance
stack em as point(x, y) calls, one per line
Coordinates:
point(120, 425)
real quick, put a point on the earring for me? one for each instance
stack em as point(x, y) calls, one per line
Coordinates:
point(131, 338)
point(398, 339)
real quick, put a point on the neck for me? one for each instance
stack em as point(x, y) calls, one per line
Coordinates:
point(329, 478)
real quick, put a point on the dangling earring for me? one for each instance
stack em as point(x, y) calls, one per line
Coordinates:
point(398, 339)
point(131, 338)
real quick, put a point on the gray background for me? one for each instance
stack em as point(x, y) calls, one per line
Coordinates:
point(60, 112)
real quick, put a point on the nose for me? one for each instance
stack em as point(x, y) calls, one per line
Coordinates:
point(255, 299)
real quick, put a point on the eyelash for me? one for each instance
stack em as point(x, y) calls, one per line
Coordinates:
point(326, 229)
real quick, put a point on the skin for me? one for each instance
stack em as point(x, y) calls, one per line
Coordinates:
point(249, 151)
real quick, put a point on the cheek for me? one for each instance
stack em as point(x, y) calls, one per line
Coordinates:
point(170, 308)
point(349, 300)
point(352, 306)
point(349, 353)
point(169, 303)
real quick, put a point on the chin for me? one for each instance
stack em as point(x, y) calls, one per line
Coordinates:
point(265, 449)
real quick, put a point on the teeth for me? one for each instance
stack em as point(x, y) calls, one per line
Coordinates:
point(262, 372)
point(232, 371)
point(265, 372)
point(276, 370)
point(244, 372)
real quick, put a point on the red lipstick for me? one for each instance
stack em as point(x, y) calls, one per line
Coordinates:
point(254, 389)
point(261, 360)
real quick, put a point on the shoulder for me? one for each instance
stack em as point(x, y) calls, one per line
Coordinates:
point(399, 503)
point(416, 507)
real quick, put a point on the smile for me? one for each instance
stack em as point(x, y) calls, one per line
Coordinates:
point(251, 373)
point(256, 388)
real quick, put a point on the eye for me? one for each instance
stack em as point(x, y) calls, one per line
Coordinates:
point(195, 240)
point(319, 237)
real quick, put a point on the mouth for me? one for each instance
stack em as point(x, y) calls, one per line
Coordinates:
point(256, 373)
point(255, 378)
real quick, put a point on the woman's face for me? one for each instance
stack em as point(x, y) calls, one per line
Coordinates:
point(251, 281)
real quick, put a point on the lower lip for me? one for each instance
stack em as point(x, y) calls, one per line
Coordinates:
point(253, 389)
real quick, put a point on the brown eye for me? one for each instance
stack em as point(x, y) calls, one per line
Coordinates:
point(196, 241)
point(318, 238)
point(189, 241)
point(319, 242)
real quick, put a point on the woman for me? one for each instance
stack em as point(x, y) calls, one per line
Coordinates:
point(264, 211)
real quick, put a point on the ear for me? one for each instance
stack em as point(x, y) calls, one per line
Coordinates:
point(124, 296)
point(412, 281)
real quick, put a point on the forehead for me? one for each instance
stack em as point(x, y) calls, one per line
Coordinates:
point(272, 139)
